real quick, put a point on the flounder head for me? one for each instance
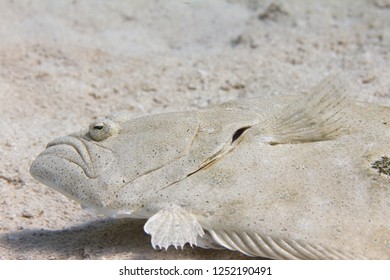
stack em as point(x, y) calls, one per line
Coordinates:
point(92, 165)
point(118, 162)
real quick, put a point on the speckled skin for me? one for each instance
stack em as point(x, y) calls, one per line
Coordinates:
point(323, 195)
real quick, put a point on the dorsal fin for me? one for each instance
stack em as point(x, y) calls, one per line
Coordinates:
point(315, 117)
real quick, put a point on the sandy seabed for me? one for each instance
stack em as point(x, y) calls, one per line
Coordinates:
point(64, 63)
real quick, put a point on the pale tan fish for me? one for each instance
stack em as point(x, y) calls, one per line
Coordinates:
point(289, 177)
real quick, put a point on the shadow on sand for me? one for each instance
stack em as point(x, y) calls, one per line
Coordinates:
point(101, 239)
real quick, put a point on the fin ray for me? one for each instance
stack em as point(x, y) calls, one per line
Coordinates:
point(173, 226)
point(254, 244)
point(316, 118)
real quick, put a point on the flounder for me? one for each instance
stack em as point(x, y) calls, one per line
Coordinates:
point(284, 177)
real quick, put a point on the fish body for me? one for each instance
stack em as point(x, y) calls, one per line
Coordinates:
point(288, 177)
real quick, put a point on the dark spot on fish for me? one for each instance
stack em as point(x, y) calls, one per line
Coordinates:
point(239, 132)
point(382, 165)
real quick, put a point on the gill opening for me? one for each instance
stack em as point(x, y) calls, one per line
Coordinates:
point(238, 133)
point(236, 137)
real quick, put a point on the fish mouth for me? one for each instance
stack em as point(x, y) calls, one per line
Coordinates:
point(73, 150)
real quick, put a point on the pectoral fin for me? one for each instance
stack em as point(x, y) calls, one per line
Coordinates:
point(316, 117)
point(173, 226)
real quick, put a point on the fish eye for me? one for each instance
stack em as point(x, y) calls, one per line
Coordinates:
point(100, 131)
point(98, 126)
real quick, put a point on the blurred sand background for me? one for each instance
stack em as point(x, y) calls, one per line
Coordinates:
point(64, 63)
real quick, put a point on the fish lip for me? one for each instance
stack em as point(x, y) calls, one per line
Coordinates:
point(80, 148)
